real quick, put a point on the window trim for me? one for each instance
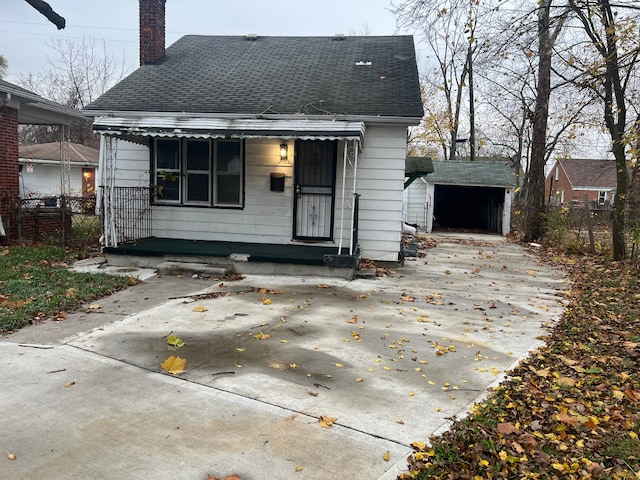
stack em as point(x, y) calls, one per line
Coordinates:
point(183, 173)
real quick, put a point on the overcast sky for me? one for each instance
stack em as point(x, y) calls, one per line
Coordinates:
point(24, 31)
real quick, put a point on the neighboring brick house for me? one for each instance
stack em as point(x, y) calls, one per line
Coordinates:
point(569, 180)
point(20, 106)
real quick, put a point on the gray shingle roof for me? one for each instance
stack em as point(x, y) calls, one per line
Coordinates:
point(279, 75)
point(490, 174)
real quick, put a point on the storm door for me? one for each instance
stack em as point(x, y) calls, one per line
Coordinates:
point(314, 183)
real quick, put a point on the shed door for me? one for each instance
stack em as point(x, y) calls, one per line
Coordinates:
point(315, 168)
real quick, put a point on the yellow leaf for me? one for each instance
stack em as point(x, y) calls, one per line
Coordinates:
point(70, 384)
point(11, 456)
point(175, 341)
point(387, 456)
point(174, 365)
point(339, 365)
point(484, 462)
point(293, 365)
point(200, 308)
point(284, 341)
point(359, 379)
point(298, 468)
point(261, 336)
point(93, 306)
point(267, 301)
point(503, 455)
point(239, 349)
point(411, 394)
point(326, 422)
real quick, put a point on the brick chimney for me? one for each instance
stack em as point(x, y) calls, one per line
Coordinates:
point(152, 38)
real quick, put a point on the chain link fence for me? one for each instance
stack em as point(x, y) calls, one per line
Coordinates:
point(61, 220)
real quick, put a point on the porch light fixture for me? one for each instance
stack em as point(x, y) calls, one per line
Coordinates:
point(284, 152)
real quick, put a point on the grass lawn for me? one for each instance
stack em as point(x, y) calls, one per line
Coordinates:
point(35, 284)
point(569, 411)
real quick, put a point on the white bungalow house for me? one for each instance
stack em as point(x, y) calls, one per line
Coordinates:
point(273, 149)
point(41, 170)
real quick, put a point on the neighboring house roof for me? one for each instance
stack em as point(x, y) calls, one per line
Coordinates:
point(51, 152)
point(591, 174)
point(34, 109)
point(261, 76)
point(484, 174)
point(419, 166)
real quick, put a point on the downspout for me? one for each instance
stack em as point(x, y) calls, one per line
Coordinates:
point(353, 203)
point(344, 179)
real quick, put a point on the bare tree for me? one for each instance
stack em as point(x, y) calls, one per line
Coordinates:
point(3, 66)
point(78, 73)
point(611, 31)
point(449, 30)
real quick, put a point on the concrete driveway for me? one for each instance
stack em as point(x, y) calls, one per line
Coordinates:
point(382, 362)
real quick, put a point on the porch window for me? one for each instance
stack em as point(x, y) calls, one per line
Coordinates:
point(167, 171)
point(198, 167)
point(228, 185)
point(198, 172)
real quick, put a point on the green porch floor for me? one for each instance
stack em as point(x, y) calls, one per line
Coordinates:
point(258, 252)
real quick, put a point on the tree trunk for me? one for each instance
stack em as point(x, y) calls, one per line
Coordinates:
point(616, 122)
point(534, 210)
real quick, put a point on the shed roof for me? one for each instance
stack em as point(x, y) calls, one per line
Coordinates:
point(482, 174)
point(587, 172)
point(51, 151)
point(366, 76)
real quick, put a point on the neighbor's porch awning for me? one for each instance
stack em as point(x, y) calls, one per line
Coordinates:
point(202, 127)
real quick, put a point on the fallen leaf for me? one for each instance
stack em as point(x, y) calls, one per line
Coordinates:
point(326, 422)
point(298, 468)
point(507, 428)
point(94, 306)
point(174, 365)
point(267, 301)
point(70, 384)
point(174, 341)
point(199, 308)
point(387, 456)
point(11, 456)
point(261, 336)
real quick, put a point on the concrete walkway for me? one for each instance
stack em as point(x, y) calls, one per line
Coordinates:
point(392, 360)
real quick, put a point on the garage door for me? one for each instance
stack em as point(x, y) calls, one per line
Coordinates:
point(463, 207)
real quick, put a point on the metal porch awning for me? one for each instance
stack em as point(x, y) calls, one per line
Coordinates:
point(203, 127)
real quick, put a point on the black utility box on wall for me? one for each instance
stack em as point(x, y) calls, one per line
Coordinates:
point(277, 182)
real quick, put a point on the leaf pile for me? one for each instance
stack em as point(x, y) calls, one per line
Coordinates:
point(571, 410)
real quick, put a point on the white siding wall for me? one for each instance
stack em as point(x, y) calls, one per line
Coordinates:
point(380, 181)
point(45, 181)
point(416, 201)
point(267, 216)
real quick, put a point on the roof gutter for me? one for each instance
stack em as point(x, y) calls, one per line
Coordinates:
point(378, 119)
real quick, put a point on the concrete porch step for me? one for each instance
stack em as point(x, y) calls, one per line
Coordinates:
point(191, 268)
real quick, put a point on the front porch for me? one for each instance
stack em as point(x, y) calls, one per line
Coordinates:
point(265, 258)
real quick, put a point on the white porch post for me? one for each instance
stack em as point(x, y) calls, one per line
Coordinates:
point(353, 191)
point(344, 179)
